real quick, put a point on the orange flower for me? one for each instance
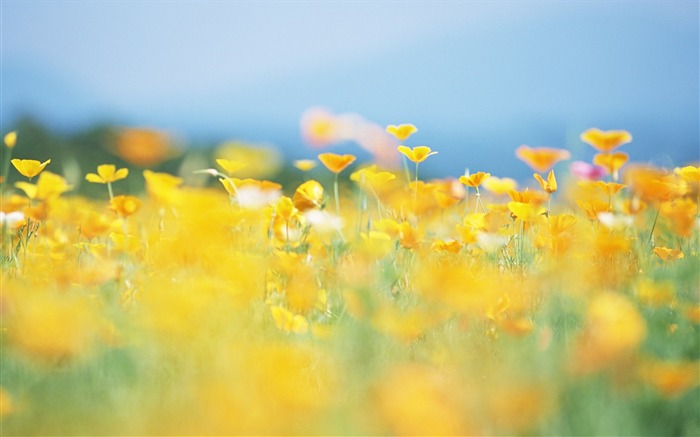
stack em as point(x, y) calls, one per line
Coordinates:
point(475, 179)
point(605, 141)
point(550, 185)
point(541, 159)
point(143, 147)
point(417, 154)
point(609, 188)
point(612, 162)
point(125, 206)
point(667, 254)
point(402, 132)
point(336, 163)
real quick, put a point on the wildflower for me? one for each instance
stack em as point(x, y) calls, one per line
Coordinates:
point(587, 172)
point(163, 187)
point(550, 185)
point(48, 186)
point(688, 173)
point(667, 254)
point(258, 160)
point(319, 127)
point(230, 166)
point(11, 219)
point(107, 173)
point(29, 167)
point(475, 179)
point(401, 132)
point(525, 211)
point(10, 139)
point(671, 379)
point(287, 321)
point(499, 186)
point(541, 159)
point(606, 141)
point(305, 164)
point(417, 154)
point(612, 162)
point(308, 195)
point(142, 146)
point(336, 163)
point(124, 206)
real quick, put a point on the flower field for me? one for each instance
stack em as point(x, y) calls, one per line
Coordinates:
point(364, 300)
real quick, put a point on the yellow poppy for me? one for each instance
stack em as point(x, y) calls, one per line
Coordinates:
point(550, 185)
point(612, 162)
point(125, 206)
point(417, 154)
point(29, 167)
point(305, 164)
point(402, 131)
point(605, 141)
point(308, 195)
point(230, 166)
point(474, 180)
point(500, 186)
point(336, 163)
point(541, 159)
point(107, 173)
point(667, 254)
point(10, 139)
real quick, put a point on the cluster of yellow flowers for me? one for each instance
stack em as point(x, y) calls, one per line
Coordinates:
point(409, 307)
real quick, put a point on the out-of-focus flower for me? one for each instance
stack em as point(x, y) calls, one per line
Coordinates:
point(48, 186)
point(305, 164)
point(586, 172)
point(320, 128)
point(499, 186)
point(107, 173)
point(143, 147)
point(11, 219)
point(163, 187)
point(541, 159)
point(230, 166)
point(124, 206)
point(668, 254)
point(417, 154)
point(525, 211)
point(336, 163)
point(605, 141)
point(29, 167)
point(402, 131)
point(261, 160)
point(288, 321)
point(612, 162)
point(688, 173)
point(550, 185)
point(10, 139)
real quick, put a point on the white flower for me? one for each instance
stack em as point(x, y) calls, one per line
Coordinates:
point(490, 242)
point(323, 221)
point(253, 197)
point(615, 221)
point(11, 219)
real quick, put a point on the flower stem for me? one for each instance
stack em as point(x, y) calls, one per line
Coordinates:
point(335, 193)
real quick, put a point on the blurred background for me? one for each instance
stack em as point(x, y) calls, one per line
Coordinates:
point(477, 78)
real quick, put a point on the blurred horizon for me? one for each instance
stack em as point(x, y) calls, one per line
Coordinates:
point(477, 78)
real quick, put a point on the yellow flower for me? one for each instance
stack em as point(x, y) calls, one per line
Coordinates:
point(305, 164)
point(417, 154)
point(475, 179)
point(605, 141)
point(609, 188)
point(163, 187)
point(500, 186)
point(336, 163)
point(10, 139)
point(107, 173)
point(230, 166)
point(48, 186)
point(125, 206)
point(285, 320)
point(689, 173)
point(308, 195)
point(541, 159)
point(525, 211)
point(550, 185)
point(29, 167)
point(402, 132)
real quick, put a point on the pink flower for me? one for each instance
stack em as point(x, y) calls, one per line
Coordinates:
point(586, 172)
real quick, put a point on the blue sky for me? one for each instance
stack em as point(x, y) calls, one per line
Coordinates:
point(478, 78)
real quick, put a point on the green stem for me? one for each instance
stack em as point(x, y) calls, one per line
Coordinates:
point(335, 193)
point(109, 189)
point(653, 226)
